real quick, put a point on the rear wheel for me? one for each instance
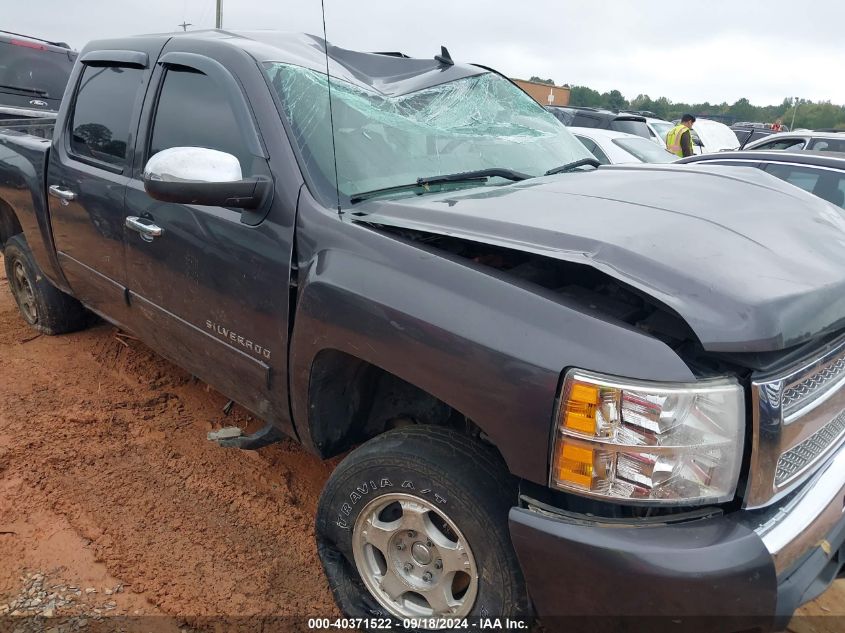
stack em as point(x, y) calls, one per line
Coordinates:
point(41, 304)
point(414, 525)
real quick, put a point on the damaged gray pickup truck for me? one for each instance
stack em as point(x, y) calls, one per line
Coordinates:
point(610, 392)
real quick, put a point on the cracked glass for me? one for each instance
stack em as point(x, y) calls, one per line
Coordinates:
point(477, 122)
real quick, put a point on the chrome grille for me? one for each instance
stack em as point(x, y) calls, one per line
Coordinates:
point(799, 422)
point(794, 461)
point(803, 391)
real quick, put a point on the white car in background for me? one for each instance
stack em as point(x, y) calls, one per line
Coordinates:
point(617, 148)
point(659, 129)
point(713, 136)
point(819, 141)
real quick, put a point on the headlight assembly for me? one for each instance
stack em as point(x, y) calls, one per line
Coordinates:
point(648, 442)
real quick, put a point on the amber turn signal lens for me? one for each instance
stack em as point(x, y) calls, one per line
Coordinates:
point(575, 465)
point(579, 412)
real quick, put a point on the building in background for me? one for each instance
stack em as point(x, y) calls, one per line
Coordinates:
point(545, 94)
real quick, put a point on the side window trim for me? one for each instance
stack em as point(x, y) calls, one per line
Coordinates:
point(136, 59)
point(233, 90)
point(602, 156)
point(756, 164)
point(585, 141)
point(100, 61)
point(594, 147)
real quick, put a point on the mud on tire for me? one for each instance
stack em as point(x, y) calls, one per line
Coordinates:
point(463, 493)
point(42, 305)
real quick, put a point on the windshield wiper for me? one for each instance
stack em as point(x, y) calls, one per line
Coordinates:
point(35, 91)
point(573, 165)
point(477, 174)
point(480, 175)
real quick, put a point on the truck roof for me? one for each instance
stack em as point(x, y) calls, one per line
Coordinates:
point(387, 73)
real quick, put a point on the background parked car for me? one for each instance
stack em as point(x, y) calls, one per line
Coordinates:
point(601, 119)
point(819, 140)
point(748, 133)
point(715, 136)
point(758, 125)
point(707, 135)
point(820, 173)
point(617, 148)
point(33, 75)
point(659, 128)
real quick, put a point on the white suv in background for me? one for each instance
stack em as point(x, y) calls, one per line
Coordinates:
point(659, 129)
point(712, 135)
point(617, 148)
point(715, 136)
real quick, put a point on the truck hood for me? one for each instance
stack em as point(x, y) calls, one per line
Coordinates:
point(749, 262)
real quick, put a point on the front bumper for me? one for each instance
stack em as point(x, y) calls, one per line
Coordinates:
point(747, 571)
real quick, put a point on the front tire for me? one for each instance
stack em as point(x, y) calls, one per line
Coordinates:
point(414, 525)
point(42, 305)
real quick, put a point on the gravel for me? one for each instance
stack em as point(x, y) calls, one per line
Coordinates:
point(39, 599)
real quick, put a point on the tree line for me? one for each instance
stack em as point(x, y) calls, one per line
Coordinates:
point(809, 114)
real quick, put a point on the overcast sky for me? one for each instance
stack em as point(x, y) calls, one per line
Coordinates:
point(719, 50)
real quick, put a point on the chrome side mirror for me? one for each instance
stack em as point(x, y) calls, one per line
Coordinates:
point(202, 176)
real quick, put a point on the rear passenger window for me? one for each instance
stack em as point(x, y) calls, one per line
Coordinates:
point(103, 112)
point(785, 143)
point(801, 177)
point(193, 112)
point(828, 144)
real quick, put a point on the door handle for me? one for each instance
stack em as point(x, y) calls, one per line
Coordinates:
point(65, 195)
point(147, 229)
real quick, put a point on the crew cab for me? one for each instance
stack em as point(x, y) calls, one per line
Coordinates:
point(567, 390)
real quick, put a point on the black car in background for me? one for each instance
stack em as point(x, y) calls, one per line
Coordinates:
point(819, 173)
point(746, 133)
point(33, 75)
point(577, 116)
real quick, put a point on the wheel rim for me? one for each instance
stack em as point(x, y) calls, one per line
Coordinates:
point(23, 292)
point(413, 558)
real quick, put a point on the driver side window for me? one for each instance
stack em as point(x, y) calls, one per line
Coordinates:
point(193, 112)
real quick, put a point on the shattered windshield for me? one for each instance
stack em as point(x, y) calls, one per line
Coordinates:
point(473, 123)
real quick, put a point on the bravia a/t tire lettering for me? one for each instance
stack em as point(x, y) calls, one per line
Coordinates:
point(444, 473)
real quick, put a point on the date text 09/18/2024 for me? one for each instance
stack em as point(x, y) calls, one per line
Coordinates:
point(488, 624)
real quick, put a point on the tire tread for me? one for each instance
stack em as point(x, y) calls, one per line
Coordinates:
point(483, 477)
point(58, 312)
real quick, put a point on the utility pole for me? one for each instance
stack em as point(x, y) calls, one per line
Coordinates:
point(185, 25)
point(218, 22)
point(794, 110)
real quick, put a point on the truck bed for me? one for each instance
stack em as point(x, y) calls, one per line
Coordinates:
point(41, 127)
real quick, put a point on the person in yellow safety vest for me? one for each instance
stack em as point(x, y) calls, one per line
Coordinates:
point(679, 138)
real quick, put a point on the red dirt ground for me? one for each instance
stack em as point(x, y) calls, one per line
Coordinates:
point(107, 478)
